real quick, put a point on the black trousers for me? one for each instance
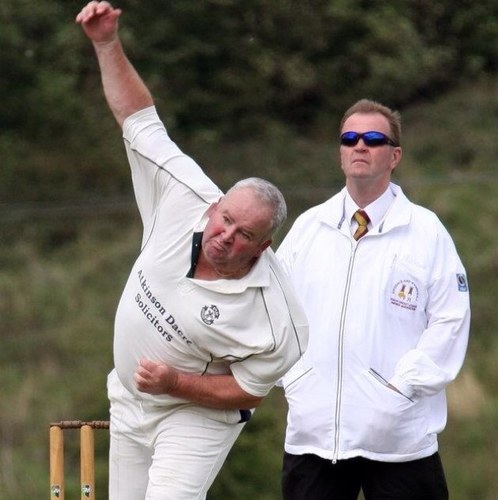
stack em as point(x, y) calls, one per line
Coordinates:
point(309, 477)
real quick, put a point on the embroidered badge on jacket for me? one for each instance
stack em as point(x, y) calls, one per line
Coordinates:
point(405, 295)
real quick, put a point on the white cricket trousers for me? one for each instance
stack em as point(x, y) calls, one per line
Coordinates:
point(163, 453)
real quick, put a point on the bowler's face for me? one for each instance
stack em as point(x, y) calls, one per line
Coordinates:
point(237, 231)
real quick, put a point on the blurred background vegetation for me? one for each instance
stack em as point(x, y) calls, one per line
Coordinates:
point(247, 88)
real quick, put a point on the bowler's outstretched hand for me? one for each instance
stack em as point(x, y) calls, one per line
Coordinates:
point(99, 21)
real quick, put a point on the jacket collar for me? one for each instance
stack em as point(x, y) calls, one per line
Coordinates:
point(332, 212)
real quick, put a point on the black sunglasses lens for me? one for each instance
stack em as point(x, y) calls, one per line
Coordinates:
point(371, 139)
point(375, 139)
point(350, 138)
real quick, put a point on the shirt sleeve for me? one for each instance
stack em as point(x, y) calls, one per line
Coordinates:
point(257, 374)
point(160, 171)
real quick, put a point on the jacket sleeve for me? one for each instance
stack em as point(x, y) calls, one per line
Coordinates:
point(284, 253)
point(440, 351)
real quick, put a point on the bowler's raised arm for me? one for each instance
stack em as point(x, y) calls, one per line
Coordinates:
point(124, 90)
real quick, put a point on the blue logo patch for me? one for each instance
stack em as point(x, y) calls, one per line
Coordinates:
point(462, 283)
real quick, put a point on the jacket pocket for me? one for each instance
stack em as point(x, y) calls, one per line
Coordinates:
point(298, 370)
point(381, 420)
point(311, 401)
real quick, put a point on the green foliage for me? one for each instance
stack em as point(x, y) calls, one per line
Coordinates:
point(56, 342)
point(233, 67)
point(219, 68)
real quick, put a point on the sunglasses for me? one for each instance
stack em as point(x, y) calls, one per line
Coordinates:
point(371, 139)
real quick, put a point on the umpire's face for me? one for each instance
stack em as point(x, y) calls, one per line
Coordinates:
point(368, 166)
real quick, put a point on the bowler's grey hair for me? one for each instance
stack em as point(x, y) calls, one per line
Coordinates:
point(268, 193)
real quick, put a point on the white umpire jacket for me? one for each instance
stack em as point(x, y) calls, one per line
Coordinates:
point(392, 308)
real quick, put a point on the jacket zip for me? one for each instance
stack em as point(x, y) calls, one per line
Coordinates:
point(340, 354)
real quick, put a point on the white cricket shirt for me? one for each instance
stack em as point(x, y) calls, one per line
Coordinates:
point(252, 327)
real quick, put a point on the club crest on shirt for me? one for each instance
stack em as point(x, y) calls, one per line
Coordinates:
point(209, 314)
point(405, 295)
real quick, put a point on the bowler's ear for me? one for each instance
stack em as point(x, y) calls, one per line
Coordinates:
point(263, 247)
point(213, 207)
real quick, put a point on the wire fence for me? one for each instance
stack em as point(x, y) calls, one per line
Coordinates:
point(91, 207)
